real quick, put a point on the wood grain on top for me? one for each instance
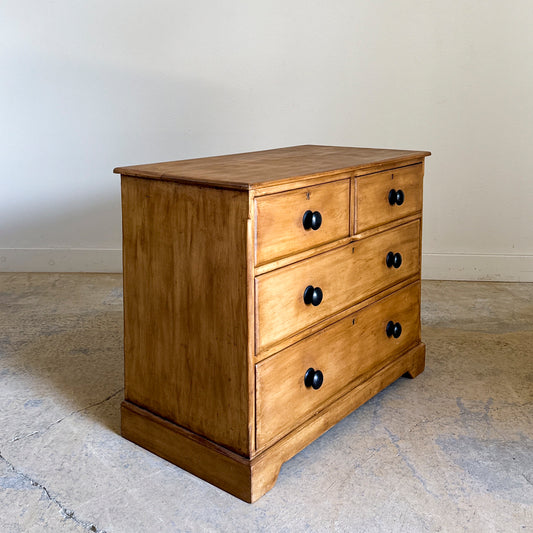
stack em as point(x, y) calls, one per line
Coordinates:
point(259, 169)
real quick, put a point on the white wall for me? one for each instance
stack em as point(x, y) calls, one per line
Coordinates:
point(87, 85)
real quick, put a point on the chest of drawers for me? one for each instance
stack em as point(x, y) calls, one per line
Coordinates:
point(266, 296)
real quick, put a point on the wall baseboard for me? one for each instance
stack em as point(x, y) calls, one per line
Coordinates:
point(477, 267)
point(469, 267)
point(60, 260)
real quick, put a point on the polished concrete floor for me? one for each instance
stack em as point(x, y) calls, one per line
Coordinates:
point(449, 451)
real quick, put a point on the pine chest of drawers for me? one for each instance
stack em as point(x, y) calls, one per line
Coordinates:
point(266, 296)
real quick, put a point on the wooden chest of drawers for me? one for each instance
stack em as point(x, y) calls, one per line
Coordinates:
point(266, 296)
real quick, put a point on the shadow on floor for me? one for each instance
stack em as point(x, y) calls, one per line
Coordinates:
point(62, 341)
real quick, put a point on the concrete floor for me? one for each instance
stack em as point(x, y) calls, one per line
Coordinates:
point(451, 450)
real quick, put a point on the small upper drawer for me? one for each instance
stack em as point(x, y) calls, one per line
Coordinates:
point(388, 196)
point(280, 229)
point(294, 297)
point(341, 353)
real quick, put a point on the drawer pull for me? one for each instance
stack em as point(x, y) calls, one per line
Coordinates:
point(312, 220)
point(313, 378)
point(312, 295)
point(393, 329)
point(396, 197)
point(393, 260)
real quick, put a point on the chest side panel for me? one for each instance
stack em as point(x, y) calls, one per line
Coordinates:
point(185, 305)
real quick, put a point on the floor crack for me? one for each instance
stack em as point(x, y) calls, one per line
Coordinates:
point(394, 440)
point(42, 431)
point(67, 513)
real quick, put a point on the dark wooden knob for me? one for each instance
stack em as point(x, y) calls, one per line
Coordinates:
point(399, 197)
point(397, 261)
point(313, 378)
point(393, 329)
point(396, 197)
point(313, 295)
point(312, 220)
point(393, 260)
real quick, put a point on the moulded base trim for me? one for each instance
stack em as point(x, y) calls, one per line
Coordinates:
point(250, 478)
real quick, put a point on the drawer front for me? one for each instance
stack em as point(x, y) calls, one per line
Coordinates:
point(373, 205)
point(346, 275)
point(342, 352)
point(280, 219)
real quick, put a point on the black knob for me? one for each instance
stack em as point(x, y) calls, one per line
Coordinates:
point(313, 378)
point(396, 197)
point(400, 197)
point(313, 295)
point(312, 220)
point(393, 329)
point(397, 261)
point(393, 260)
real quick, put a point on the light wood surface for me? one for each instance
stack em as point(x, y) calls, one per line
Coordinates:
point(346, 275)
point(373, 207)
point(185, 312)
point(279, 219)
point(198, 455)
point(342, 352)
point(301, 182)
point(308, 181)
point(319, 326)
point(266, 465)
point(279, 166)
point(300, 256)
point(385, 227)
point(249, 479)
point(217, 335)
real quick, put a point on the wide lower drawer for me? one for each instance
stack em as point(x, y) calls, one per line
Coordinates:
point(343, 276)
point(342, 353)
point(388, 196)
point(290, 222)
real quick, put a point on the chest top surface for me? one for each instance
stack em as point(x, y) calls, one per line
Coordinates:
point(254, 170)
